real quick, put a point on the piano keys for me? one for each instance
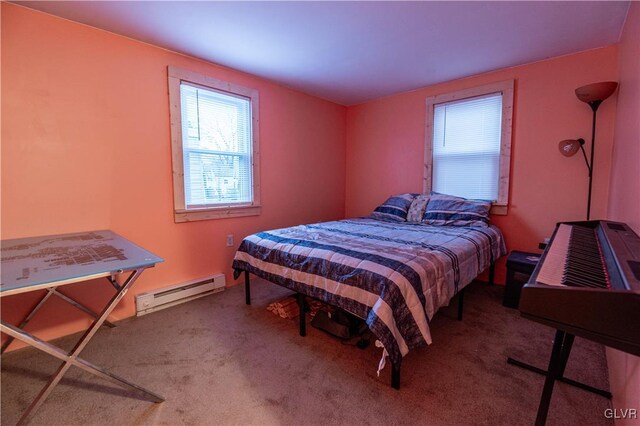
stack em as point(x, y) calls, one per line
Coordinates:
point(586, 284)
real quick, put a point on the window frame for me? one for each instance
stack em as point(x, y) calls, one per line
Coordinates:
point(505, 87)
point(181, 214)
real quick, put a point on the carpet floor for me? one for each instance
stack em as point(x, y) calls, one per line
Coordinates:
point(218, 361)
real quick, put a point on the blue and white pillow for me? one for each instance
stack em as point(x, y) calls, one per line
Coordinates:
point(447, 210)
point(394, 209)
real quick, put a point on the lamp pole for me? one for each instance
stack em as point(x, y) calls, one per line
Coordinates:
point(594, 106)
point(593, 94)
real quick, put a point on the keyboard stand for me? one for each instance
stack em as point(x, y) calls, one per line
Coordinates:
point(555, 372)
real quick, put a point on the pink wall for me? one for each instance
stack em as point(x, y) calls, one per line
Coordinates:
point(385, 145)
point(624, 202)
point(86, 145)
point(624, 193)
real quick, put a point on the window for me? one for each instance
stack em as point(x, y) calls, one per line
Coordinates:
point(214, 132)
point(468, 143)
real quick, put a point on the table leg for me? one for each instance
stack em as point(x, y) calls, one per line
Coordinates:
point(35, 309)
point(112, 280)
point(72, 357)
point(50, 292)
point(77, 362)
point(79, 306)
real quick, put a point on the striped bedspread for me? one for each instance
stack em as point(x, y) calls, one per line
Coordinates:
point(394, 275)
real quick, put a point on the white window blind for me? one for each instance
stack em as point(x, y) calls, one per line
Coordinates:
point(217, 147)
point(466, 147)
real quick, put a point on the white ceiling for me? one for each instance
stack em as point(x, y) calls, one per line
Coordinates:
point(352, 52)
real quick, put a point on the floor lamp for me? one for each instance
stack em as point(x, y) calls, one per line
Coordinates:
point(593, 94)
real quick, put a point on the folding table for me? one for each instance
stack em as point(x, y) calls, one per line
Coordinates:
point(46, 263)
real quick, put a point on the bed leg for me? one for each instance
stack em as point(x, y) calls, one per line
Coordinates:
point(492, 272)
point(461, 303)
point(395, 375)
point(303, 316)
point(247, 288)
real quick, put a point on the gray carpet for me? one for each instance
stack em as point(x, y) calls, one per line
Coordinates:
point(217, 361)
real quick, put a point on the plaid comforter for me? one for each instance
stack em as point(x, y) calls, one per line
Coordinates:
point(394, 275)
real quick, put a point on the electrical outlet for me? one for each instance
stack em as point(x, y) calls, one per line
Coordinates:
point(230, 240)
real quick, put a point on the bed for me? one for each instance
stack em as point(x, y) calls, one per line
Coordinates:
point(395, 275)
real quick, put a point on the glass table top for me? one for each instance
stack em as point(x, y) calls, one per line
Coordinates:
point(37, 261)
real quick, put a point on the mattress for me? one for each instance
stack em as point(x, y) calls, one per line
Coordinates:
point(394, 275)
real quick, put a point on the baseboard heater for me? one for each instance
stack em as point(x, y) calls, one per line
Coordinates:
point(170, 296)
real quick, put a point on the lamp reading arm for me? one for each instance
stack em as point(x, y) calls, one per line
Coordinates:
point(584, 154)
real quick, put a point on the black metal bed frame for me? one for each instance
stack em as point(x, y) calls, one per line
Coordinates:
point(395, 366)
